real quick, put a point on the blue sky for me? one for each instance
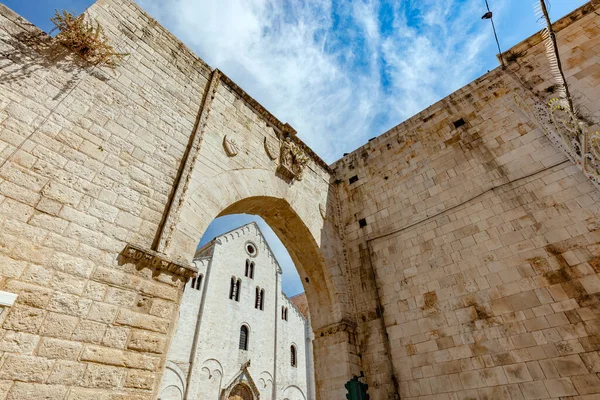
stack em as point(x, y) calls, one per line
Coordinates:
point(339, 71)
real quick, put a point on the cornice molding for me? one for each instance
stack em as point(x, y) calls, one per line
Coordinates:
point(342, 326)
point(159, 261)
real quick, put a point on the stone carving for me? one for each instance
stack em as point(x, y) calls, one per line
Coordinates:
point(567, 132)
point(270, 149)
point(156, 260)
point(342, 326)
point(558, 119)
point(292, 160)
point(230, 146)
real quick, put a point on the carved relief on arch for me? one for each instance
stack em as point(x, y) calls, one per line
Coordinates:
point(265, 382)
point(212, 367)
point(271, 149)
point(231, 147)
point(292, 159)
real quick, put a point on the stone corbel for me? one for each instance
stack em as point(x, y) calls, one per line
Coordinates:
point(342, 326)
point(159, 261)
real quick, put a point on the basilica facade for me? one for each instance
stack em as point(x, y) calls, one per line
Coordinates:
point(238, 336)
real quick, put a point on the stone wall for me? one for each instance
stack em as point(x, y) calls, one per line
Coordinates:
point(88, 160)
point(108, 180)
point(473, 242)
point(454, 256)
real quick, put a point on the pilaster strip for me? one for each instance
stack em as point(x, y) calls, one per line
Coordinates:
point(173, 208)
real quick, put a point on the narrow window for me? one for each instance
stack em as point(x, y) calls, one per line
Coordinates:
point(286, 315)
point(247, 273)
point(282, 312)
point(262, 299)
point(257, 300)
point(293, 355)
point(238, 289)
point(197, 282)
point(244, 338)
point(252, 270)
point(353, 179)
point(232, 288)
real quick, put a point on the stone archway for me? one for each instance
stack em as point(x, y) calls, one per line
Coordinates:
point(302, 215)
point(241, 392)
point(232, 171)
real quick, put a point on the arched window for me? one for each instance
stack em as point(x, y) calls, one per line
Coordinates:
point(238, 289)
point(262, 299)
point(286, 310)
point(232, 287)
point(247, 271)
point(293, 355)
point(244, 337)
point(197, 282)
point(284, 314)
point(257, 300)
point(252, 270)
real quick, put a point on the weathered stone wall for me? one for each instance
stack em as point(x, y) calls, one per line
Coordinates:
point(96, 160)
point(88, 160)
point(461, 263)
point(473, 242)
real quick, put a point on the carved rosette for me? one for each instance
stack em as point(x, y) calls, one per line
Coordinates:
point(230, 146)
point(159, 261)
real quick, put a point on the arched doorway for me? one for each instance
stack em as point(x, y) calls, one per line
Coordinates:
point(312, 241)
point(302, 248)
point(241, 392)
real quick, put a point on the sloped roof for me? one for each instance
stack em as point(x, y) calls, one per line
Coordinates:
point(301, 304)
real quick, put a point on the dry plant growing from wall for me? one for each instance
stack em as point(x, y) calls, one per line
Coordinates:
point(86, 39)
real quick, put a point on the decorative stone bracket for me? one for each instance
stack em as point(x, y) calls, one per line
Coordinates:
point(292, 158)
point(342, 326)
point(159, 261)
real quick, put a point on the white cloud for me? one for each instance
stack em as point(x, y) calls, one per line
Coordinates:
point(343, 71)
point(320, 65)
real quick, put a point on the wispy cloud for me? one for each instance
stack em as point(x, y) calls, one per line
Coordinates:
point(343, 71)
point(339, 72)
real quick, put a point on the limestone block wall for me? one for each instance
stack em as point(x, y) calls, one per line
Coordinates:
point(88, 160)
point(95, 160)
point(473, 242)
